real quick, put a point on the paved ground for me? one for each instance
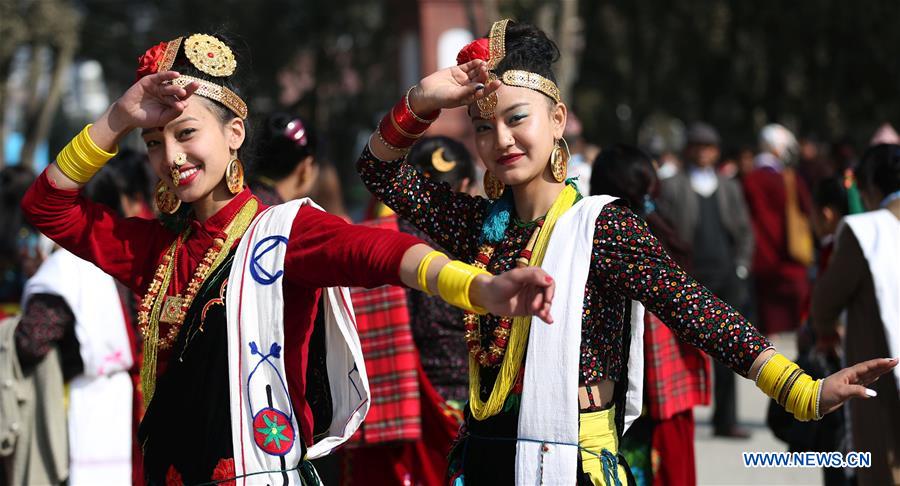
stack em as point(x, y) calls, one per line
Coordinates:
point(719, 460)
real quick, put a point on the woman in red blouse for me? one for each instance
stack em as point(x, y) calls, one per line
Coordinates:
point(193, 123)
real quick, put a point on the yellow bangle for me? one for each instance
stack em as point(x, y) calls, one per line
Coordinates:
point(82, 158)
point(454, 283)
point(422, 273)
point(782, 380)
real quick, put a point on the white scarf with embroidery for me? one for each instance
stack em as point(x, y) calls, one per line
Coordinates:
point(546, 452)
point(265, 429)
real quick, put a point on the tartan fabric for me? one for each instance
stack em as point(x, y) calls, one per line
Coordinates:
point(382, 320)
point(677, 374)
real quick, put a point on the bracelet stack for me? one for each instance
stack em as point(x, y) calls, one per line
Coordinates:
point(82, 158)
point(786, 383)
point(401, 127)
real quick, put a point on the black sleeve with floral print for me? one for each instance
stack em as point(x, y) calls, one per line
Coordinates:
point(452, 219)
point(631, 262)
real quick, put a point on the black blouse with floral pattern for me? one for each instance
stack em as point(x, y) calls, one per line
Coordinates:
point(628, 263)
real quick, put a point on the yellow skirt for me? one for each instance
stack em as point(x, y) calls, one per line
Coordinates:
point(600, 445)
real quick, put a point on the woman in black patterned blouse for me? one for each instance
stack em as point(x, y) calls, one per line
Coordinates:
point(508, 85)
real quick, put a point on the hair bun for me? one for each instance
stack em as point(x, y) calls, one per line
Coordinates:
point(528, 48)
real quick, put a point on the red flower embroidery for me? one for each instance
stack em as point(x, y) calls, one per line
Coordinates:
point(477, 49)
point(224, 472)
point(173, 477)
point(149, 62)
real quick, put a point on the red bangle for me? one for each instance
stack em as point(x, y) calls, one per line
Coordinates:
point(392, 136)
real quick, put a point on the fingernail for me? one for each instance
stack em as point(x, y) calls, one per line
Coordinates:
point(548, 279)
point(870, 392)
point(479, 87)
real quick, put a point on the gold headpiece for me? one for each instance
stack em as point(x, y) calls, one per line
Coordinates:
point(527, 79)
point(210, 56)
point(523, 79)
point(215, 92)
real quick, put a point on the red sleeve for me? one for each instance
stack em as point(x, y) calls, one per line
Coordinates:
point(325, 251)
point(126, 248)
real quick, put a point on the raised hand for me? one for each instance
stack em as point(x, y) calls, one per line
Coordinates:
point(452, 87)
point(851, 382)
point(153, 101)
point(518, 292)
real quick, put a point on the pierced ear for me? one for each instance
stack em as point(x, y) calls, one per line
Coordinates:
point(237, 133)
point(560, 114)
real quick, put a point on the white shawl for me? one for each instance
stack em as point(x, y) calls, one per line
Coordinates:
point(878, 234)
point(264, 427)
point(549, 408)
point(101, 398)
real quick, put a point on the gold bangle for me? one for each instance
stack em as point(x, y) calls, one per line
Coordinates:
point(413, 113)
point(82, 158)
point(403, 151)
point(454, 284)
point(422, 273)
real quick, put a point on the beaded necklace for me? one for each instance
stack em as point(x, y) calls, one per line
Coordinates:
point(514, 355)
point(493, 356)
point(156, 307)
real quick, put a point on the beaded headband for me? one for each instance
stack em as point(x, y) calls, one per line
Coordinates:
point(206, 53)
point(493, 50)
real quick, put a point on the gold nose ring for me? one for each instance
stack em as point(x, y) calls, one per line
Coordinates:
point(180, 159)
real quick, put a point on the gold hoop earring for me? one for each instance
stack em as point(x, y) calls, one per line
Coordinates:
point(493, 188)
point(166, 200)
point(234, 176)
point(559, 160)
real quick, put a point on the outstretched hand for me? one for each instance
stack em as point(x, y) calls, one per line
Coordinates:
point(851, 382)
point(518, 292)
point(452, 87)
point(153, 101)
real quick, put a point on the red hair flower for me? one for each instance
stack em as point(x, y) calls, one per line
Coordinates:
point(224, 474)
point(149, 62)
point(477, 49)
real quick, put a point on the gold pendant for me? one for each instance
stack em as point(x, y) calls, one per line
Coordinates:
point(171, 310)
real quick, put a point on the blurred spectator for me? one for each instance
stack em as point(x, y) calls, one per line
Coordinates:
point(417, 396)
point(285, 167)
point(780, 208)
point(437, 326)
point(863, 277)
point(661, 445)
point(77, 329)
point(582, 153)
point(710, 214)
point(829, 434)
point(21, 251)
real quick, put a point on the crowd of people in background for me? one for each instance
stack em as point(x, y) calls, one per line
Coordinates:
point(800, 236)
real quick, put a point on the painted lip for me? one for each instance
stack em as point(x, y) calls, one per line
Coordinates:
point(187, 180)
point(509, 159)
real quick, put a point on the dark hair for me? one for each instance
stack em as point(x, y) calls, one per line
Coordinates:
point(420, 156)
point(879, 168)
point(627, 172)
point(14, 182)
point(284, 141)
point(528, 48)
point(236, 82)
point(125, 174)
point(830, 192)
point(624, 171)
